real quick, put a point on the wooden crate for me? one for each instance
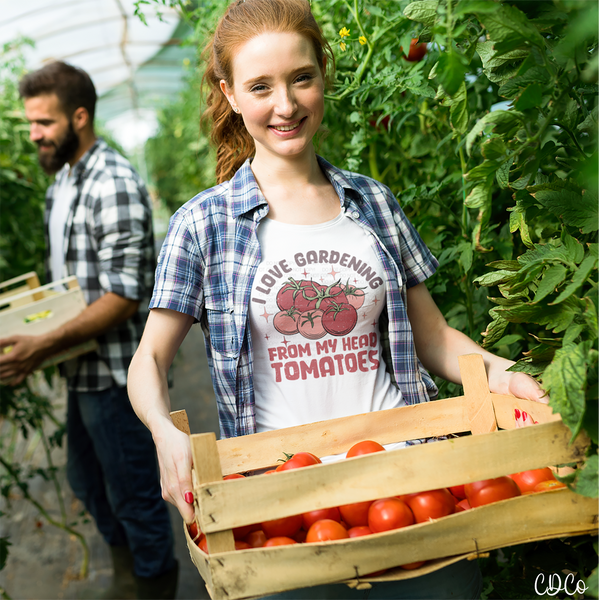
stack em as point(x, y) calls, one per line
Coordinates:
point(496, 448)
point(26, 308)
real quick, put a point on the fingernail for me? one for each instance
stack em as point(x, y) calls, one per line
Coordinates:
point(189, 497)
point(524, 416)
point(535, 422)
point(517, 413)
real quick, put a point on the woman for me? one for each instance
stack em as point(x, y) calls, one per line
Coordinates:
point(308, 280)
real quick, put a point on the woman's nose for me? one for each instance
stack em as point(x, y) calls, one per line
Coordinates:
point(285, 102)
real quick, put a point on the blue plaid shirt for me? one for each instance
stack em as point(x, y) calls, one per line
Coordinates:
point(209, 258)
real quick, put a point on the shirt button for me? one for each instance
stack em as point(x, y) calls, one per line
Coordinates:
point(355, 214)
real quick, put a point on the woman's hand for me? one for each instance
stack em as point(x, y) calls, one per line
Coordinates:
point(522, 385)
point(175, 462)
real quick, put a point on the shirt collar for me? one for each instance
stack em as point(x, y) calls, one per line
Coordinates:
point(88, 159)
point(245, 195)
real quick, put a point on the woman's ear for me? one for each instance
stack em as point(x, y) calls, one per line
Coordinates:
point(227, 92)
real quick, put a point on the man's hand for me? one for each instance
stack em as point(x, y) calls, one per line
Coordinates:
point(20, 355)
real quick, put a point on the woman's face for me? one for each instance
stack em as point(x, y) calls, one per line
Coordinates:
point(278, 87)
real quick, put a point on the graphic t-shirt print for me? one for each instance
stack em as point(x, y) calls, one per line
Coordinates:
point(315, 306)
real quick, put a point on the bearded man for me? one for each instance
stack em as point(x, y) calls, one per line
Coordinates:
point(99, 227)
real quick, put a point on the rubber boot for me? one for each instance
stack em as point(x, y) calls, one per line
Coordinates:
point(123, 584)
point(163, 587)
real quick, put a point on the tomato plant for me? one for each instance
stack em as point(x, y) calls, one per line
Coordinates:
point(389, 513)
point(431, 505)
point(416, 51)
point(326, 530)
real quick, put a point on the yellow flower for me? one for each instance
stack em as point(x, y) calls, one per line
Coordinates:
point(344, 32)
point(186, 62)
point(343, 46)
point(363, 40)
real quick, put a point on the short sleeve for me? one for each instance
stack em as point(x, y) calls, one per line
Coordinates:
point(179, 273)
point(418, 261)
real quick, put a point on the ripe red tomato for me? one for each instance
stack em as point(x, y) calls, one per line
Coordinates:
point(325, 531)
point(309, 518)
point(300, 537)
point(286, 526)
point(389, 513)
point(234, 476)
point(413, 565)
point(279, 541)
point(416, 52)
point(356, 514)
point(431, 505)
point(458, 491)
point(527, 480)
point(300, 459)
point(364, 447)
point(256, 539)
point(239, 533)
point(552, 484)
point(462, 505)
point(194, 530)
point(203, 545)
point(487, 491)
point(241, 545)
point(359, 531)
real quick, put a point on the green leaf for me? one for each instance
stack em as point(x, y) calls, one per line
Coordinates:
point(507, 265)
point(509, 23)
point(451, 71)
point(494, 330)
point(494, 278)
point(588, 264)
point(459, 116)
point(496, 118)
point(479, 196)
point(424, 11)
point(466, 256)
point(493, 148)
point(517, 222)
point(575, 249)
point(586, 483)
point(507, 340)
point(551, 280)
point(474, 6)
point(565, 380)
point(482, 171)
point(577, 210)
point(531, 97)
point(503, 174)
point(592, 584)
point(533, 75)
point(4, 544)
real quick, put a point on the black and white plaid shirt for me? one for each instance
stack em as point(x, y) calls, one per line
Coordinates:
point(109, 246)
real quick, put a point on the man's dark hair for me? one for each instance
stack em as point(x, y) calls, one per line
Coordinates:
point(72, 86)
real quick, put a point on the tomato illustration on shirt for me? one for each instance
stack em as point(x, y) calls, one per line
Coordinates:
point(340, 319)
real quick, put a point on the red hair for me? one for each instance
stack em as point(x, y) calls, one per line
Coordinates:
point(244, 20)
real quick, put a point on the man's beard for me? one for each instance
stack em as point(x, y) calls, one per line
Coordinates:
point(64, 151)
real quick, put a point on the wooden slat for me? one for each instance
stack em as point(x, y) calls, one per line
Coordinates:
point(475, 384)
point(248, 573)
point(208, 469)
point(504, 408)
point(261, 450)
point(28, 278)
point(407, 470)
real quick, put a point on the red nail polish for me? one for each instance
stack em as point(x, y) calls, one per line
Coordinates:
point(524, 416)
point(517, 413)
point(535, 422)
point(189, 497)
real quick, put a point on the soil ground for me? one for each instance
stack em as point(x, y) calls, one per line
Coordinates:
point(44, 561)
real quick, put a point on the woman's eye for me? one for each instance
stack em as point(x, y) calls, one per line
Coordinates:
point(258, 88)
point(303, 78)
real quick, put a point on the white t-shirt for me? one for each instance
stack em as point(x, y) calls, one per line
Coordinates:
point(314, 311)
point(63, 198)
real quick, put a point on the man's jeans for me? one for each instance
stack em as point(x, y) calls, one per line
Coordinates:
point(112, 469)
